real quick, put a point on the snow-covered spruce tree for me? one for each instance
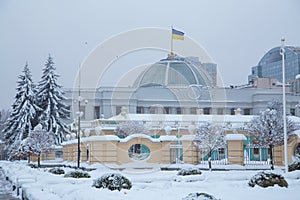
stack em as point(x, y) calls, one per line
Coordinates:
point(4, 115)
point(209, 138)
point(23, 114)
point(50, 97)
point(130, 127)
point(267, 128)
point(38, 142)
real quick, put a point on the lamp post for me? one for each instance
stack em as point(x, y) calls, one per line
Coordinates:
point(282, 53)
point(78, 131)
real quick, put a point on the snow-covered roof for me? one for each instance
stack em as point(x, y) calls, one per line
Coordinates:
point(235, 137)
point(131, 137)
point(180, 118)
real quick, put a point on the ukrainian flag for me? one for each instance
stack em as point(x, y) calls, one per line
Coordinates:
point(177, 35)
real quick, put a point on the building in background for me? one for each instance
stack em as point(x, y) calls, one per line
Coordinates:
point(177, 85)
point(270, 66)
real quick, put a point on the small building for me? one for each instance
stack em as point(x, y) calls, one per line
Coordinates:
point(169, 139)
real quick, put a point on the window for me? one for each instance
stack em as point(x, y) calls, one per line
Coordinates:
point(247, 111)
point(206, 111)
point(178, 110)
point(167, 110)
point(97, 112)
point(139, 110)
point(152, 110)
point(256, 151)
point(220, 111)
point(139, 152)
point(293, 111)
point(193, 111)
point(232, 111)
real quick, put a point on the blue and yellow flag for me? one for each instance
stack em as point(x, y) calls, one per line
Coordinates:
point(177, 35)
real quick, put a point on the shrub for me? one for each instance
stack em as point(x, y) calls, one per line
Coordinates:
point(78, 174)
point(199, 196)
point(294, 166)
point(57, 171)
point(189, 171)
point(113, 181)
point(267, 179)
point(34, 166)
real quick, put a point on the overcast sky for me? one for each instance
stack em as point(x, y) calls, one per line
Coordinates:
point(235, 33)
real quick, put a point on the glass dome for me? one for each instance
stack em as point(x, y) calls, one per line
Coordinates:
point(172, 72)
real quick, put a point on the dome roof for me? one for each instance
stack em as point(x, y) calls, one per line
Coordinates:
point(172, 72)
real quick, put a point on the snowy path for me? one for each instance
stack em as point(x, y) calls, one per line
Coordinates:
point(226, 185)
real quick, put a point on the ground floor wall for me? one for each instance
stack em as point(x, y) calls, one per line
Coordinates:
point(163, 152)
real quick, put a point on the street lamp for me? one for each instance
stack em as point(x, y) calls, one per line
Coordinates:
point(282, 53)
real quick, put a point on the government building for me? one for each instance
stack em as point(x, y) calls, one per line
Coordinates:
point(170, 99)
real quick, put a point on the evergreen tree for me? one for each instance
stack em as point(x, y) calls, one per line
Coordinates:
point(267, 128)
point(50, 97)
point(24, 111)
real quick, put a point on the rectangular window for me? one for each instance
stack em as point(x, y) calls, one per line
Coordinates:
point(206, 111)
point(256, 151)
point(178, 110)
point(139, 110)
point(167, 110)
point(221, 151)
point(293, 111)
point(247, 111)
point(97, 112)
point(232, 111)
point(220, 111)
point(193, 111)
point(152, 110)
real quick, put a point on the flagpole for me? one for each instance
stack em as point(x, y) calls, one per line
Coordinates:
point(172, 48)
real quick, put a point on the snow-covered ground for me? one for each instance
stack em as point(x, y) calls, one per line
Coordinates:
point(39, 184)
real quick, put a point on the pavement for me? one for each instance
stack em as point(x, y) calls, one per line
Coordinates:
point(5, 188)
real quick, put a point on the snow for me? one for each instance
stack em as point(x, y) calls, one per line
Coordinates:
point(146, 184)
point(235, 137)
point(297, 132)
point(131, 137)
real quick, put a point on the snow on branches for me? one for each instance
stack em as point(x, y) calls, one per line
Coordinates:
point(50, 97)
point(267, 127)
point(210, 137)
point(130, 127)
point(24, 111)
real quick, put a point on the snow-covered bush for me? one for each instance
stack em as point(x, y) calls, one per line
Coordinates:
point(78, 174)
point(57, 171)
point(267, 179)
point(199, 196)
point(189, 171)
point(294, 166)
point(112, 181)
